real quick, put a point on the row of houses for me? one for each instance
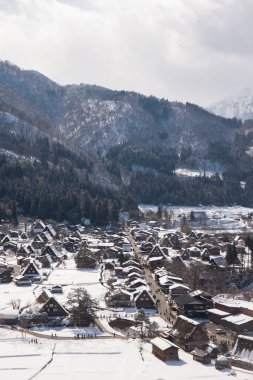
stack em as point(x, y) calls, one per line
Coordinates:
point(128, 287)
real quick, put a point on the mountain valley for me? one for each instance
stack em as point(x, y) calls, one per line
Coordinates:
point(118, 147)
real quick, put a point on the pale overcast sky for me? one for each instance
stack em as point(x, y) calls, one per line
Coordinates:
point(188, 50)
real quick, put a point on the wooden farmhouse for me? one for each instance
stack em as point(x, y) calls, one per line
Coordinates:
point(144, 300)
point(156, 257)
point(46, 237)
point(46, 302)
point(46, 261)
point(52, 252)
point(177, 290)
point(188, 334)
point(31, 270)
point(38, 227)
point(119, 298)
point(190, 306)
point(23, 251)
point(38, 242)
point(50, 229)
point(85, 261)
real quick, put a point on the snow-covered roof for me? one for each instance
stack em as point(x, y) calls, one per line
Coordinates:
point(162, 344)
point(165, 281)
point(238, 319)
point(176, 286)
point(156, 258)
point(232, 302)
point(105, 244)
point(246, 337)
point(189, 320)
point(218, 312)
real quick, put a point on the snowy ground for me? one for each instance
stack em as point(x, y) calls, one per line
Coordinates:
point(93, 359)
point(219, 219)
point(70, 277)
point(228, 211)
point(184, 172)
point(67, 332)
point(11, 292)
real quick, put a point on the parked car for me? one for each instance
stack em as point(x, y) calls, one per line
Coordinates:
point(220, 331)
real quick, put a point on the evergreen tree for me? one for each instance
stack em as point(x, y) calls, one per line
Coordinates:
point(231, 254)
point(223, 347)
point(249, 244)
point(81, 307)
point(192, 217)
point(159, 213)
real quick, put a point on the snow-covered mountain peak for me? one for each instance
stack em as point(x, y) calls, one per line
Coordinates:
point(239, 105)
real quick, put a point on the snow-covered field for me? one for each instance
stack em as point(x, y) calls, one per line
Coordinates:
point(229, 211)
point(107, 359)
point(184, 172)
point(68, 332)
point(224, 218)
point(70, 277)
point(11, 292)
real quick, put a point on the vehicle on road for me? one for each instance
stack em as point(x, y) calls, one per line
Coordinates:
point(220, 331)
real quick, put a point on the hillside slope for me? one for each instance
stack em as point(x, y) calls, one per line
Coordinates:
point(117, 147)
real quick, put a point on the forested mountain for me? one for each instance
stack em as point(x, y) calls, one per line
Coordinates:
point(80, 150)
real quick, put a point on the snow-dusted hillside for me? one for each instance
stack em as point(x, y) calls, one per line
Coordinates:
point(239, 106)
point(97, 118)
point(116, 139)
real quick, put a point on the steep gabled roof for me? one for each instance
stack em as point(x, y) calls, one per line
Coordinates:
point(184, 327)
point(54, 300)
point(39, 224)
point(52, 249)
point(130, 262)
point(141, 292)
point(50, 229)
point(158, 249)
point(30, 266)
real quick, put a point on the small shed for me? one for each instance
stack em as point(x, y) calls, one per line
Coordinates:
point(201, 356)
point(57, 289)
point(164, 349)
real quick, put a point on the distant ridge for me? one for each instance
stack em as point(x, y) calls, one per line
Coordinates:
point(239, 105)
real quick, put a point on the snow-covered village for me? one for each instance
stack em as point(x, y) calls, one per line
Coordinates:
point(126, 190)
point(134, 300)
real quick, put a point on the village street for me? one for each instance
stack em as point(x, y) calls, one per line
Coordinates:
point(165, 310)
point(163, 307)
